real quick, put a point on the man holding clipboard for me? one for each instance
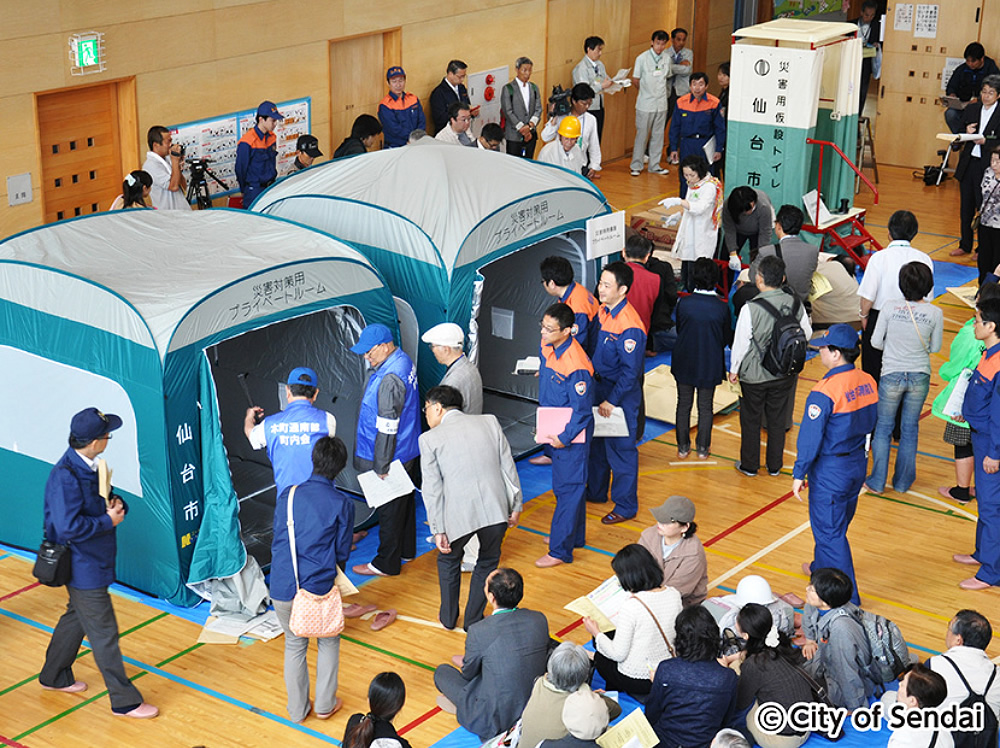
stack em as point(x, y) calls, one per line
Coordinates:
point(566, 401)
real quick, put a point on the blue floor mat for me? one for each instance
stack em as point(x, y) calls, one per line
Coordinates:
point(948, 274)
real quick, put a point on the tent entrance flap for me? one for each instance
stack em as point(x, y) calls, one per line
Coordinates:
point(250, 369)
point(511, 304)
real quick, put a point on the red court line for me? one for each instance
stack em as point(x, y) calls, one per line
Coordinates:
point(924, 414)
point(748, 519)
point(561, 633)
point(419, 720)
point(11, 743)
point(15, 593)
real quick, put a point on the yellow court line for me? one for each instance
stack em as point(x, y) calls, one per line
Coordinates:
point(759, 554)
point(648, 200)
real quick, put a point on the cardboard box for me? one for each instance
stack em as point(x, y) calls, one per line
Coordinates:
point(649, 223)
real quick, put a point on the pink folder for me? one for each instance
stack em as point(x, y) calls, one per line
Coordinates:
point(552, 422)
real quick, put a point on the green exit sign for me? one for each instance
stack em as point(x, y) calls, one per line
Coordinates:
point(86, 53)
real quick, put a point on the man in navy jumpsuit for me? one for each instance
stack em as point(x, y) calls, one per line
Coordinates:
point(840, 412)
point(388, 429)
point(565, 380)
point(290, 434)
point(981, 409)
point(619, 356)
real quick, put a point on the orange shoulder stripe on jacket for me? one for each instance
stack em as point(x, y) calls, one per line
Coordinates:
point(573, 359)
point(849, 390)
point(627, 318)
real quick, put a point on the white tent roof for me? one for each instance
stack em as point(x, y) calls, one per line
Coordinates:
point(166, 263)
point(446, 193)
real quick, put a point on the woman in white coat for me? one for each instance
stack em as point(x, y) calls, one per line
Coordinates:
point(698, 233)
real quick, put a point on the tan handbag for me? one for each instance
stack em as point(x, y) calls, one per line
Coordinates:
point(315, 616)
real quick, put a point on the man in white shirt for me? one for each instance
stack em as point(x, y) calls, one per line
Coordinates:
point(591, 70)
point(880, 283)
point(651, 73)
point(565, 151)
point(163, 163)
point(456, 132)
point(491, 138)
point(968, 635)
point(920, 688)
point(588, 141)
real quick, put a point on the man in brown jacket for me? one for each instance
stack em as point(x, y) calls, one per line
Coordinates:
point(673, 543)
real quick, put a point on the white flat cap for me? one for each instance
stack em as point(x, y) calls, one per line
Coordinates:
point(447, 333)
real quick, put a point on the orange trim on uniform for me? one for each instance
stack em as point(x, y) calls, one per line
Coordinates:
point(859, 391)
point(573, 359)
point(251, 138)
point(627, 318)
point(685, 104)
point(989, 367)
point(581, 301)
point(404, 102)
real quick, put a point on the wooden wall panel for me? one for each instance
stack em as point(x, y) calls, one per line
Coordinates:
point(989, 27)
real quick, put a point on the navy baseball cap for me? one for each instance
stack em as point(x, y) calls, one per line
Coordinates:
point(92, 424)
point(303, 375)
point(372, 336)
point(839, 336)
point(268, 109)
point(309, 145)
point(394, 72)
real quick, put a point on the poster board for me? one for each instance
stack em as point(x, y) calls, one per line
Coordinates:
point(484, 90)
point(216, 138)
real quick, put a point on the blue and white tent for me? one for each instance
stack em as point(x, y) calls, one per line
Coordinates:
point(458, 234)
point(177, 321)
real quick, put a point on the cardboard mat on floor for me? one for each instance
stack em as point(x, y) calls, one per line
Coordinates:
point(660, 390)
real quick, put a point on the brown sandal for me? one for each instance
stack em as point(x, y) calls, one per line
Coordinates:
point(383, 618)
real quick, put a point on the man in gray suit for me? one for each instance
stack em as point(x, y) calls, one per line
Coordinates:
point(800, 256)
point(446, 341)
point(521, 104)
point(463, 503)
point(503, 655)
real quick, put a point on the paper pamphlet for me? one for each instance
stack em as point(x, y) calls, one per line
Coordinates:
point(953, 407)
point(820, 286)
point(966, 294)
point(613, 425)
point(528, 365)
point(710, 149)
point(630, 731)
point(620, 81)
point(964, 137)
point(602, 604)
point(345, 584)
point(378, 491)
point(552, 422)
point(809, 199)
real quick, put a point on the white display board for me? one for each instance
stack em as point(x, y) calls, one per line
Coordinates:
point(605, 235)
point(216, 138)
point(484, 91)
point(778, 81)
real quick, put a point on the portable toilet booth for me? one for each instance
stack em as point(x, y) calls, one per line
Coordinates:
point(178, 322)
point(458, 233)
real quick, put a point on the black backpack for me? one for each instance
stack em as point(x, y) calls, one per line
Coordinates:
point(987, 737)
point(786, 351)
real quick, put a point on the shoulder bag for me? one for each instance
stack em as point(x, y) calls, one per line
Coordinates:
point(53, 567)
point(312, 615)
point(660, 628)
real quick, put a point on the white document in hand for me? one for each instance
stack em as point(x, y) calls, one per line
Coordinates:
point(378, 491)
point(613, 425)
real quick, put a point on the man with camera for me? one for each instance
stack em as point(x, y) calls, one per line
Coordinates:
point(163, 163)
point(587, 140)
point(79, 517)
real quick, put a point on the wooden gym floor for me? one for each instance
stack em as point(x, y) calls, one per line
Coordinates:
point(228, 695)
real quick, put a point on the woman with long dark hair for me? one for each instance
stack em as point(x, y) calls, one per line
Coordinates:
point(135, 191)
point(771, 671)
point(386, 695)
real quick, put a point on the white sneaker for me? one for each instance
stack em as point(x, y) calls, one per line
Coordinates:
point(635, 172)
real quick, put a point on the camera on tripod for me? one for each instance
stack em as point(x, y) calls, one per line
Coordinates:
point(559, 103)
point(198, 167)
point(198, 185)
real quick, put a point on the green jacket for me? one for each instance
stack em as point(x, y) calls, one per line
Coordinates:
point(752, 369)
point(964, 353)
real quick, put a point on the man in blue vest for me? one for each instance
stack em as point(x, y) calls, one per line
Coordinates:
point(289, 435)
point(388, 428)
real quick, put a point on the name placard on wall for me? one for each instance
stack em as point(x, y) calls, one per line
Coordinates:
point(216, 138)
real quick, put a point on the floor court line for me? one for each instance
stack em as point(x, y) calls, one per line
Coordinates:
point(419, 720)
point(758, 555)
point(15, 593)
point(11, 742)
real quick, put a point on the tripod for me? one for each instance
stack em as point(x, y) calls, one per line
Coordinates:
point(198, 187)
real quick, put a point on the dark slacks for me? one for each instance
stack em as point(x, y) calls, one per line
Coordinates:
point(89, 613)
point(397, 528)
point(970, 191)
point(989, 251)
point(685, 400)
point(617, 681)
point(450, 575)
point(599, 116)
point(777, 398)
point(522, 149)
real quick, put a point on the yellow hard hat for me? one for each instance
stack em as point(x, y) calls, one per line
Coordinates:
point(569, 127)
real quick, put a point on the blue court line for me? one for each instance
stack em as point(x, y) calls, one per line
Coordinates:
point(4, 556)
point(586, 547)
point(190, 684)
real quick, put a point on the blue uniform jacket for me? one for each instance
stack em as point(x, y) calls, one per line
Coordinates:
point(565, 380)
point(75, 514)
point(291, 435)
point(840, 412)
point(256, 160)
point(982, 401)
point(585, 308)
point(400, 115)
point(696, 121)
point(324, 526)
point(619, 357)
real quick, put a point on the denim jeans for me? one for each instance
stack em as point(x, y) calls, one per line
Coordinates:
point(906, 390)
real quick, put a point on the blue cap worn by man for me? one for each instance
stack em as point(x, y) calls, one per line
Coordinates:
point(388, 428)
point(289, 434)
point(840, 413)
point(257, 153)
point(78, 516)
